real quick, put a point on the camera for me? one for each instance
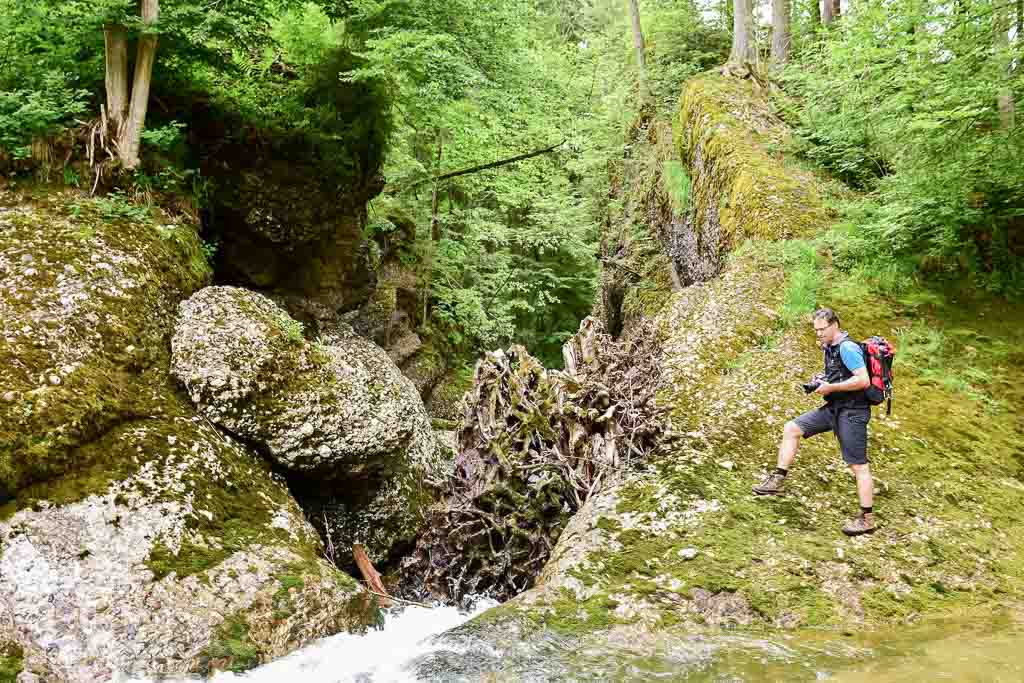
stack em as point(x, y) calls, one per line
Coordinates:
point(815, 382)
point(809, 387)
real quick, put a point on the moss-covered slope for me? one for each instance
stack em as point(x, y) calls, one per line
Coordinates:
point(688, 542)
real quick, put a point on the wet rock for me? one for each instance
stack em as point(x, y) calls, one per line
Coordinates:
point(176, 536)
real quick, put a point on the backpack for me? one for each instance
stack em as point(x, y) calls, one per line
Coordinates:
point(879, 355)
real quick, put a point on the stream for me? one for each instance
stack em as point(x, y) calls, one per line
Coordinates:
point(442, 644)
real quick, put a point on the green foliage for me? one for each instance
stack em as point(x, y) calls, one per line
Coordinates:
point(677, 183)
point(26, 113)
point(11, 662)
point(165, 137)
point(904, 101)
point(114, 207)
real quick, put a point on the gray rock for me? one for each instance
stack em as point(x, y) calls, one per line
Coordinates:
point(340, 412)
point(139, 576)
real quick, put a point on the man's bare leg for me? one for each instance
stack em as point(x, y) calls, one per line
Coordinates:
point(791, 435)
point(865, 485)
point(772, 485)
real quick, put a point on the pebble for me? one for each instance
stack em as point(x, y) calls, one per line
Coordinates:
point(10, 396)
point(840, 553)
point(54, 380)
point(727, 464)
point(688, 553)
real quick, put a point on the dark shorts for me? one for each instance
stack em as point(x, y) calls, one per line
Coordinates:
point(850, 425)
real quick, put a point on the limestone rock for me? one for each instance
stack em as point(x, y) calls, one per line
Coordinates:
point(138, 565)
point(340, 411)
point(86, 306)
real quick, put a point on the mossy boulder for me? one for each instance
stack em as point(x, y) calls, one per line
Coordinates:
point(88, 293)
point(131, 529)
point(132, 565)
point(341, 413)
point(735, 187)
point(288, 207)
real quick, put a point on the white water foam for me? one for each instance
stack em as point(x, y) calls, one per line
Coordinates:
point(381, 656)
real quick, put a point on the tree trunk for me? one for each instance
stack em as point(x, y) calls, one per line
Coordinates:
point(743, 57)
point(780, 31)
point(130, 139)
point(827, 12)
point(1001, 23)
point(837, 9)
point(1019, 34)
point(638, 45)
point(116, 43)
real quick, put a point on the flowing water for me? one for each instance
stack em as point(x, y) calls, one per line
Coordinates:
point(420, 644)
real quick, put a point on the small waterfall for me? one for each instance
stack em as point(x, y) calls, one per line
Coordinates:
point(379, 656)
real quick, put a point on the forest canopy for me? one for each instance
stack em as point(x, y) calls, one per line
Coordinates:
point(912, 105)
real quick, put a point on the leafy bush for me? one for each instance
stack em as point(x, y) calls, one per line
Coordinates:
point(26, 114)
point(913, 117)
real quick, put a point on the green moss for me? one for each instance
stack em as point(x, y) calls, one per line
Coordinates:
point(126, 332)
point(231, 649)
point(949, 481)
point(727, 127)
point(11, 662)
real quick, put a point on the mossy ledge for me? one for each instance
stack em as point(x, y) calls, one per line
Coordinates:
point(686, 544)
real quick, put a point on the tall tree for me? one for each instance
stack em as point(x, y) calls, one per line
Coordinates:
point(638, 45)
point(827, 12)
point(837, 10)
point(743, 57)
point(780, 31)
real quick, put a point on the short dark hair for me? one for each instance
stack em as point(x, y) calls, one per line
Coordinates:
point(826, 314)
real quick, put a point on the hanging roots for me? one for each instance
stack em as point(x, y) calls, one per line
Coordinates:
point(534, 446)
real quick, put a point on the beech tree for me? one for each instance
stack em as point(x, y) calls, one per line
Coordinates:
point(638, 45)
point(743, 57)
point(780, 31)
point(193, 32)
point(129, 119)
point(828, 13)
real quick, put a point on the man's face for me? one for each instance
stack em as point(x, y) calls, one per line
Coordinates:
point(824, 331)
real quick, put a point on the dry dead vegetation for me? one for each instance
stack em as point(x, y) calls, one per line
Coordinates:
point(534, 446)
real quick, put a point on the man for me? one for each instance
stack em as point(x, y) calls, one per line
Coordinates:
point(846, 412)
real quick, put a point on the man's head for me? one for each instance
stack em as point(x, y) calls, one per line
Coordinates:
point(826, 326)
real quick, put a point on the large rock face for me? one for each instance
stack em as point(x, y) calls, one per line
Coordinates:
point(287, 208)
point(340, 411)
point(134, 536)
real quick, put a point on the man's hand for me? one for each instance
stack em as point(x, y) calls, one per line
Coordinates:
point(825, 389)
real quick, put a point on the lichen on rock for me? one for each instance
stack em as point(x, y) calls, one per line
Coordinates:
point(341, 411)
point(86, 305)
point(137, 576)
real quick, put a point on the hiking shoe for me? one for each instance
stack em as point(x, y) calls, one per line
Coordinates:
point(864, 524)
point(771, 486)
